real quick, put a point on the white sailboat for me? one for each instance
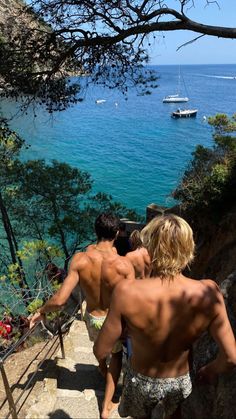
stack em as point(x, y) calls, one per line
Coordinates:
point(176, 98)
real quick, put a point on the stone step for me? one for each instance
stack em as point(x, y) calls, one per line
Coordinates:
point(77, 390)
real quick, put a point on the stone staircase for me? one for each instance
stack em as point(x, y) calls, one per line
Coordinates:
point(75, 388)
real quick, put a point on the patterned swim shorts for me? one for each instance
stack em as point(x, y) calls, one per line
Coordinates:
point(94, 325)
point(156, 398)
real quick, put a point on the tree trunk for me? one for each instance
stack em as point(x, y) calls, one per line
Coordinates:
point(13, 247)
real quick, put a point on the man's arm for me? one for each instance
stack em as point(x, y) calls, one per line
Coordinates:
point(58, 300)
point(221, 331)
point(112, 327)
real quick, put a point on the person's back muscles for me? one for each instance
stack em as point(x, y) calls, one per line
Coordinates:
point(165, 315)
point(164, 319)
point(85, 270)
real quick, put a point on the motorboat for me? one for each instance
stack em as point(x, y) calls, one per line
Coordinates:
point(99, 101)
point(184, 113)
point(175, 99)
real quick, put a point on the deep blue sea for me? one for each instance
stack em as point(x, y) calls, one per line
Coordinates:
point(133, 149)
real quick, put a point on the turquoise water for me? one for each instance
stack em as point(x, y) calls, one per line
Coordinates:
point(133, 149)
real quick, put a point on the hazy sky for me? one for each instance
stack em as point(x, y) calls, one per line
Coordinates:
point(207, 50)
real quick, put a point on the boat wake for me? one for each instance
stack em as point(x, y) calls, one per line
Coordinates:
point(220, 77)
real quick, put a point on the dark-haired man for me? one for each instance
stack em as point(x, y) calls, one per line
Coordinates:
point(165, 315)
point(86, 270)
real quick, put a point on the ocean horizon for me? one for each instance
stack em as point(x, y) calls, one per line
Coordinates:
point(132, 148)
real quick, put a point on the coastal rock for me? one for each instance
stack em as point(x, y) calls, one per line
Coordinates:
point(214, 401)
point(216, 247)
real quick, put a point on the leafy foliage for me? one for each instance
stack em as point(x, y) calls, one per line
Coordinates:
point(209, 183)
point(47, 42)
point(47, 213)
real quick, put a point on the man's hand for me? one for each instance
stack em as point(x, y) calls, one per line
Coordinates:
point(37, 317)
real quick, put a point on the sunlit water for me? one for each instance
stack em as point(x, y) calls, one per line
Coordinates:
point(133, 149)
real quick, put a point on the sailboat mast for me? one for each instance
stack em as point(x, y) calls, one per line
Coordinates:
point(178, 89)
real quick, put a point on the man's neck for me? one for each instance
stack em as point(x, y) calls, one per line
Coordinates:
point(104, 245)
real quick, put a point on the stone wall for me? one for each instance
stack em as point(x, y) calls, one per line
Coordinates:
point(214, 401)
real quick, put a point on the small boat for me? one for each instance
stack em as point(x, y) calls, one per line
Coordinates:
point(175, 99)
point(184, 113)
point(98, 101)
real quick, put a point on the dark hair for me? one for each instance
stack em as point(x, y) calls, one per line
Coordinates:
point(106, 226)
point(122, 226)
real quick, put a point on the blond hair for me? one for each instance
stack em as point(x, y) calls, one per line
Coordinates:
point(170, 244)
point(135, 240)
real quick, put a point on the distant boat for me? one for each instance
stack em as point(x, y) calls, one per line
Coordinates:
point(184, 113)
point(176, 98)
point(99, 101)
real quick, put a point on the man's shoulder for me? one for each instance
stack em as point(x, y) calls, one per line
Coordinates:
point(122, 262)
point(210, 285)
point(91, 247)
point(212, 289)
point(133, 255)
point(80, 258)
point(205, 293)
point(123, 288)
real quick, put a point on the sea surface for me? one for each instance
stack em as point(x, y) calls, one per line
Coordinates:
point(132, 148)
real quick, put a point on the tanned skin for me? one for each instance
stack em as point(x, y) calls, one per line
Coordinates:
point(85, 270)
point(114, 270)
point(97, 271)
point(164, 318)
point(141, 262)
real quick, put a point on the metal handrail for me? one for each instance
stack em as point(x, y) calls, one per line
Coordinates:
point(58, 341)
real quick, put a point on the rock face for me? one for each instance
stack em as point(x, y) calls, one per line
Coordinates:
point(215, 241)
point(216, 253)
point(8, 8)
point(214, 401)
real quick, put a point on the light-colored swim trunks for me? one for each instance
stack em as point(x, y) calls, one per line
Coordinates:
point(155, 398)
point(94, 325)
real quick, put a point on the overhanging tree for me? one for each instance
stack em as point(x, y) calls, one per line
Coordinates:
point(44, 43)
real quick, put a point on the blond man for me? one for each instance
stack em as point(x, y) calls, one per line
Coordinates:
point(165, 315)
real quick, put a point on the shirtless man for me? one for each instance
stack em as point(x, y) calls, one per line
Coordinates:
point(165, 315)
point(86, 270)
point(139, 256)
point(114, 269)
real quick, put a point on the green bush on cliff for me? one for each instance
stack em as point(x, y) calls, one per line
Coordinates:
point(209, 182)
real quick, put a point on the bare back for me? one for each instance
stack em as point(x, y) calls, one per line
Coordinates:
point(141, 262)
point(88, 266)
point(157, 312)
point(114, 269)
point(99, 269)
